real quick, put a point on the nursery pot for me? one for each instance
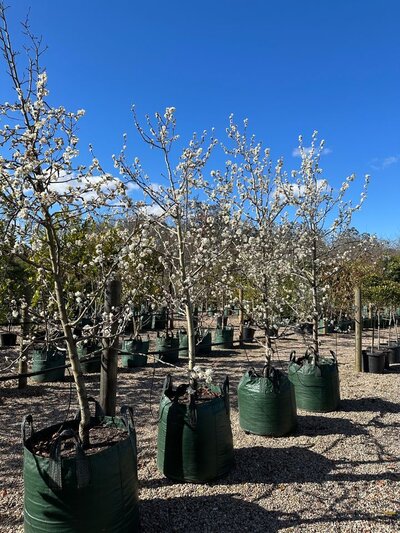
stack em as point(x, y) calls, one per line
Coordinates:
point(168, 348)
point(393, 353)
point(8, 339)
point(194, 442)
point(376, 361)
point(203, 342)
point(159, 320)
point(183, 343)
point(81, 493)
point(267, 404)
point(134, 353)
point(93, 352)
point(248, 334)
point(47, 358)
point(224, 337)
point(316, 382)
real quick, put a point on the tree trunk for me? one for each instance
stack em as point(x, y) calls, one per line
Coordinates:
point(109, 358)
point(69, 338)
point(23, 350)
point(358, 332)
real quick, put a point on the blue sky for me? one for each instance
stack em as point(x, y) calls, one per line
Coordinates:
point(289, 66)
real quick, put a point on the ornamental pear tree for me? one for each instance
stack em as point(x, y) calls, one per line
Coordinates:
point(320, 216)
point(43, 191)
point(188, 245)
point(262, 261)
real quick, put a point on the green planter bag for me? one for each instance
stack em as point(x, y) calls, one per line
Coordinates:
point(168, 347)
point(48, 358)
point(134, 353)
point(267, 404)
point(83, 493)
point(194, 442)
point(203, 340)
point(316, 382)
point(92, 353)
point(224, 337)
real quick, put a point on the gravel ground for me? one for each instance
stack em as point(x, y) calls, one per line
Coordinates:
point(338, 472)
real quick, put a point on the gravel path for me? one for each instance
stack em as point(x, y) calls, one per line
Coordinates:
point(339, 472)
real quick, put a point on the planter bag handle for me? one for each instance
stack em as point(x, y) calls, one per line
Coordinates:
point(192, 412)
point(98, 411)
point(225, 391)
point(272, 374)
point(167, 386)
point(82, 464)
point(292, 356)
point(127, 417)
point(27, 422)
point(333, 354)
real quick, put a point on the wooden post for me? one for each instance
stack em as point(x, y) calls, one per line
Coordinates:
point(109, 357)
point(23, 349)
point(241, 316)
point(358, 329)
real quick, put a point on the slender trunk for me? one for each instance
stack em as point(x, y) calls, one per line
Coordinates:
point(241, 316)
point(68, 334)
point(23, 350)
point(358, 329)
point(187, 298)
point(315, 295)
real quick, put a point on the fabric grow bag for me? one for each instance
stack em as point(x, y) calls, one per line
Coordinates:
point(93, 353)
point(248, 333)
point(267, 404)
point(203, 339)
point(224, 337)
point(316, 382)
point(85, 493)
point(47, 358)
point(194, 442)
point(168, 348)
point(135, 353)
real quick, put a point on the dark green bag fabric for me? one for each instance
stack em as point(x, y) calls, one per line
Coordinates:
point(134, 353)
point(85, 493)
point(224, 338)
point(46, 358)
point(194, 441)
point(92, 353)
point(316, 382)
point(168, 347)
point(267, 404)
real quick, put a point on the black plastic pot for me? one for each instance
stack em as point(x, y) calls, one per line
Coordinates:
point(47, 359)
point(376, 362)
point(8, 339)
point(83, 493)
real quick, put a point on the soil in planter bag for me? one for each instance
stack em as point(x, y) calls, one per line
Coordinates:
point(316, 381)
point(267, 404)
point(85, 493)
point(194, 439)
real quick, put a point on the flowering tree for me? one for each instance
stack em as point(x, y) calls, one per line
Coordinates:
point(43, 192)
point(262, 247)
point(188, 245)
point(321, 215)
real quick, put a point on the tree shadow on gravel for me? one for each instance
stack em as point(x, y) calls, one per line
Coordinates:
point(230, 513)
point(324, 425)
point(369, 404)
point(278, 465)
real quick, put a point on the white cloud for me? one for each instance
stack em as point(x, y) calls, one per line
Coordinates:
point(381, 164)
point(307, 149)
point(300, 190)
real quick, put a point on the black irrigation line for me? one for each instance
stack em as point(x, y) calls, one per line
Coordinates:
point(98, 357)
